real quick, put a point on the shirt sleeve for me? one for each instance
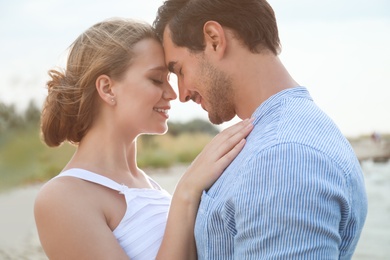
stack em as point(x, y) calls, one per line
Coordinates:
point(291, 203)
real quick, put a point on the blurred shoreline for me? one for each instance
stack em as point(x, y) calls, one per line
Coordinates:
point(371, 149)
point(19, 238)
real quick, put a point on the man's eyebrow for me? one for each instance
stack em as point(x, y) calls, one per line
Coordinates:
point(171, 66)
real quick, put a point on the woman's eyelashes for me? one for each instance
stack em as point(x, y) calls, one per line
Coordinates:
point(159, 78)
point(157, 81)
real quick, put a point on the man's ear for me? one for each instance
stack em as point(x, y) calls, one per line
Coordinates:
point(104, 88)
point(215, 38)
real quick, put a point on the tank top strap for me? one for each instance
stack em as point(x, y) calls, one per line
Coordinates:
point(154, 184)
point(92, 177)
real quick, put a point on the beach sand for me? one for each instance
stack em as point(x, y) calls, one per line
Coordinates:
point(19, 238)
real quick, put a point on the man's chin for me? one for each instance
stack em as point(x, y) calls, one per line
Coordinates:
point(214, 119)
point(217, 120)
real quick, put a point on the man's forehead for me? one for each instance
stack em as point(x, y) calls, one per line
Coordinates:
point(168, 49)
point(167, 40)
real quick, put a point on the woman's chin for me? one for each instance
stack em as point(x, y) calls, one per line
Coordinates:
point(160, 131)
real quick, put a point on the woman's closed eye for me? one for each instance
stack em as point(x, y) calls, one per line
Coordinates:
point(157, 81)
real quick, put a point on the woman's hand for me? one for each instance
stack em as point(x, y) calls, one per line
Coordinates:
point(213, 160)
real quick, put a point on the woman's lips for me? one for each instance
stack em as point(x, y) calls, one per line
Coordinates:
point(162, 111)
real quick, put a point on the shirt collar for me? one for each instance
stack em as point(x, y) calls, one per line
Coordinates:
point(276, 99)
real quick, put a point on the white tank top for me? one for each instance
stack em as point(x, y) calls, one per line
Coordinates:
point(141, 230)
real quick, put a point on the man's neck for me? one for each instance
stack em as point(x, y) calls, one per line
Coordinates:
point(258, 77)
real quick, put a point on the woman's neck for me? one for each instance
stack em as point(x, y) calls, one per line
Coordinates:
point(106, 156)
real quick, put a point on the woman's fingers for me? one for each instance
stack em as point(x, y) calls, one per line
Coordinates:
point(216, 156)
point(236, 137)
point(233, 130)
point(225, 141)
point(226, 159)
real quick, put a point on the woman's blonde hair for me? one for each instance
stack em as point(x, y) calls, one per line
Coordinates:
point(105, 48)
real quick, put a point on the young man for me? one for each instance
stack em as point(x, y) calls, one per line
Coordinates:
point(296, 191)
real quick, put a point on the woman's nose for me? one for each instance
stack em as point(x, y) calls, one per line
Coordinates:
point(169, 93)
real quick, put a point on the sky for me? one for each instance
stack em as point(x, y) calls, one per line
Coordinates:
point(339, 50)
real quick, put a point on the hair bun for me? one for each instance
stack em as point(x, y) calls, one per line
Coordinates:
point(57, 78)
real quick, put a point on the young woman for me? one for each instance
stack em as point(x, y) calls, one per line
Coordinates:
point(102, 206)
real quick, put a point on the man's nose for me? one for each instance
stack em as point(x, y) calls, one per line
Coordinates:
point(184, 94)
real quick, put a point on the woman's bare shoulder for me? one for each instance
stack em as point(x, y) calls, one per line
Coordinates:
point(63, 199)
point(65, 210)
point(60, 191)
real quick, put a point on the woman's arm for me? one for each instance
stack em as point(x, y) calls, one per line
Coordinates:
point(179, 241)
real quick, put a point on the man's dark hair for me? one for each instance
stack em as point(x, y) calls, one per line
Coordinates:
point(252, 21)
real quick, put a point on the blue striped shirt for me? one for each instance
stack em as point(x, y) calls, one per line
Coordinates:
point(296, 191)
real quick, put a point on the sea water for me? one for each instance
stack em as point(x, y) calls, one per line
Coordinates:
point(374, 242)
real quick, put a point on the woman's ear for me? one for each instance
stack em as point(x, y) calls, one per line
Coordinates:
point(104, 88)
point(215, 38)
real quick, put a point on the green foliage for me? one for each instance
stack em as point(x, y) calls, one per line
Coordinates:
point(25, 159)
point(9, 118)
point(32, 113)
point(167, 150)
point(155, 158)
point(194, 126)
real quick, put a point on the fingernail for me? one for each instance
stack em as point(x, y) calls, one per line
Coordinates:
point(250, 126)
